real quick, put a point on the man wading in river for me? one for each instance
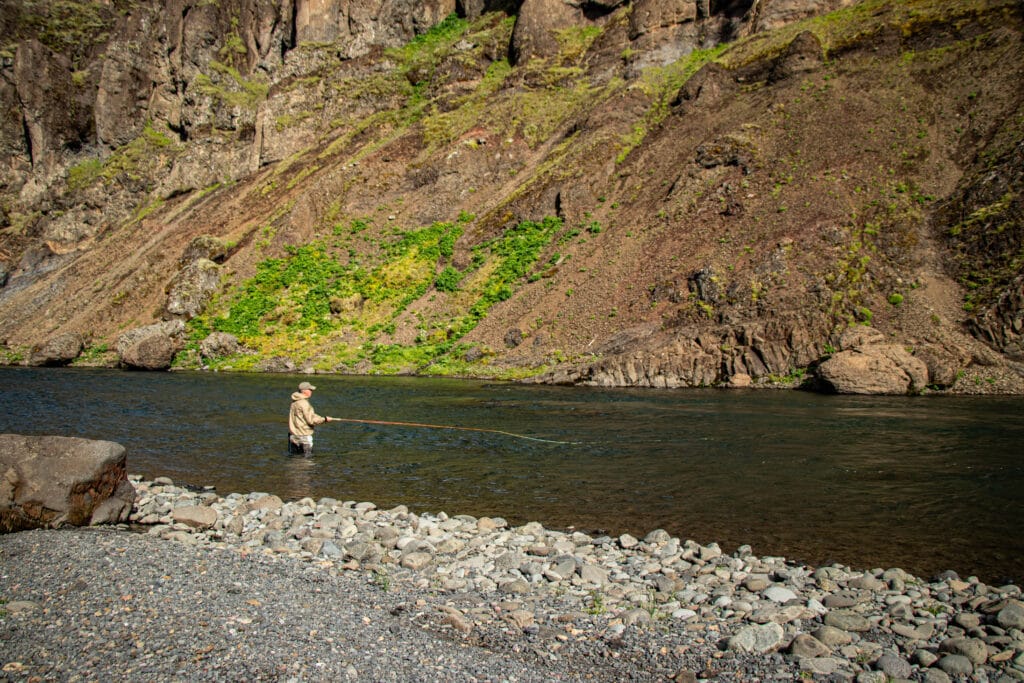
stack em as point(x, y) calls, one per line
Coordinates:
point(302, 420)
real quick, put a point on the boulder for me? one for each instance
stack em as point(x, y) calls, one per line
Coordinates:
point(806, 645)
point(49, 481)
point(847, 620)
point(1012, 615)
point(707, 88)
point(973, 649)
point(191, 289)
point(203, 247)
point(151, 347)
point(195, 516)
point(866, 366)
point(513, 337)
point(347, 304)
point(857, 336)
point(59, 350)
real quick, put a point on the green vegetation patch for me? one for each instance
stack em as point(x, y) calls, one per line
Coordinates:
point(294, 289)
point(314, 302)
point(857, 24)
point(231, 88)
point(310, 290)
point(444, 127)
point(13, 355)
point(132, 161)
point(506, 260)
point(426, 49)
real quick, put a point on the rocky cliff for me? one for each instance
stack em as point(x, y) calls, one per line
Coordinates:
point(643, 193)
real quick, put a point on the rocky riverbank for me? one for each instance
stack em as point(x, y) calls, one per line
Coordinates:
point(523, 603)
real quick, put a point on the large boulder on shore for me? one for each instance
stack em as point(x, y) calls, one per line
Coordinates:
point(49, 481)
point(151, 347)
point(867, 365)
point(59, 350)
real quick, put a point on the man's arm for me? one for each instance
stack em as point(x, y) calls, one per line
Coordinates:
point(312, 418)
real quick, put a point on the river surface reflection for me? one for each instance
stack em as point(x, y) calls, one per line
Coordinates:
point(926, 484)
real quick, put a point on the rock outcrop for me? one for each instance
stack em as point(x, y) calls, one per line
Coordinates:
point(192, 289)
point(537, 26)
point(51, 104)
point(49, 481)
point(358, 26)
point(690, 357)
point(1001, 325)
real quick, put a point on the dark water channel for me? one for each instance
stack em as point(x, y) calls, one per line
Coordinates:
point(926, 484)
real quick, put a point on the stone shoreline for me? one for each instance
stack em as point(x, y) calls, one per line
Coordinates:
point(485, 582)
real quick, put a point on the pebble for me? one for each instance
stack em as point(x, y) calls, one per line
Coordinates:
point(526, 603)
point(845, 620)
point(893, 666)
point(956, 665)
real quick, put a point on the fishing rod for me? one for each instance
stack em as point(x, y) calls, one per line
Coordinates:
point(431, 426)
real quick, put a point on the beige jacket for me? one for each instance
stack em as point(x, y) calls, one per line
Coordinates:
point(302, 419)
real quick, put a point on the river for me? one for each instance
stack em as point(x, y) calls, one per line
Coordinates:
point(926, 484)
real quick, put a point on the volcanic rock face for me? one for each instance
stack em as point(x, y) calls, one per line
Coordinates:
point(359, 26)
point(689, 357)
point(536, 26)
point(691, 151)
point(1002, 325)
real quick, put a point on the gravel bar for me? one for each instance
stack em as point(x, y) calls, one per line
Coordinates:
point(249, 587)
point(111, 605)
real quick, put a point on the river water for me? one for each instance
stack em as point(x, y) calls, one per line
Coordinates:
point(925, 484)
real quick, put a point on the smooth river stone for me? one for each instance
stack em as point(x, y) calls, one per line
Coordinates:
point(893, 666)
point(757, 639)
point(779, 594)
point(972, 648)
point(805, 645)
point(846, 620)
point(833, 637)
point(956, 665)
point(1012, 616)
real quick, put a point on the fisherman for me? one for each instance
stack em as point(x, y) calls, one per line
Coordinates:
point(302, 420)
